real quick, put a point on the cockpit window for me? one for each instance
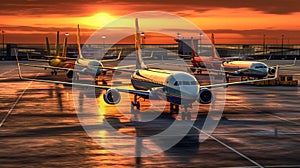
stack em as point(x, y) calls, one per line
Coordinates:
point(177, 83)
point(260, 66)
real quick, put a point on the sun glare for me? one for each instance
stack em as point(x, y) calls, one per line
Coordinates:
point(98, 20)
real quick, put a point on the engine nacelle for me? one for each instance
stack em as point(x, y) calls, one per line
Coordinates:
point(205, 96)
point(112, 96)
point(272, 70)
point(70, 74)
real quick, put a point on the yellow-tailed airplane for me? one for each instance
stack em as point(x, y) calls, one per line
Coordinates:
point(176, 87)
point(83, 65)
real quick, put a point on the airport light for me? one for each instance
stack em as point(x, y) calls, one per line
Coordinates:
point(178, 35)
point(103, 38)
point(2, 31)
point(201, 35)
point(143, 37)
point(282, 37)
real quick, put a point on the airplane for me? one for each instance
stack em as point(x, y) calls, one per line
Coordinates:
point(179, 88)
point(56, 60)
point(245, 69)
point(83, 65)
point(200, 63)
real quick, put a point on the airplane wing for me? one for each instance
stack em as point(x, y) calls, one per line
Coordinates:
point(49, 67)
point(241, 82)
point(288, 65)
point(112, 60)
point(131, 91)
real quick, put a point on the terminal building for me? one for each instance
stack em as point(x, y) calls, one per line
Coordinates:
point(256, 51)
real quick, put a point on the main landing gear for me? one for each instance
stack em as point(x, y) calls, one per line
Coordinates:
point(185, 115)
point(53, 72)
point(135, 107)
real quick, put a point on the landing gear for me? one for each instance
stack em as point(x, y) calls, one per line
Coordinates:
point(174, 109)
point(199, 71)
point(135, 107)
point(53, 72)
point(186, 115)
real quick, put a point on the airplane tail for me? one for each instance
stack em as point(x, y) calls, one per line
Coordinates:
point(48, 46)
point(64, 53)
point(57, 44)
point(139, 60)
point(213, 50)
point(78, 43)
point(194, 53)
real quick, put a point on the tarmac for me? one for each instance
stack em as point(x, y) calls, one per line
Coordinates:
point(42, 125)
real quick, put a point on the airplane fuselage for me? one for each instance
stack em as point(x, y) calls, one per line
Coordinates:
point(174, 86)
point(246, 68)
point(207, 62)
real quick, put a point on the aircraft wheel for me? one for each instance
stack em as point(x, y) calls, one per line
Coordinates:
point(183, 115)
point(138, 105)
point(188, 115)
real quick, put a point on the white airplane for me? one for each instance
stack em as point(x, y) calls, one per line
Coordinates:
point(176, 87)
point(92, 67)
point(249, 69)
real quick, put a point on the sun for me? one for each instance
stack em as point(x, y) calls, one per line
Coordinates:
point(98, 19)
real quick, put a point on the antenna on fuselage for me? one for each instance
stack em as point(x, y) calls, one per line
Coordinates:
point(139, 60)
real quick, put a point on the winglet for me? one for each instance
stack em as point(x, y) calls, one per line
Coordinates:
point(277, 72)
point(295, 60)
point(18, 64)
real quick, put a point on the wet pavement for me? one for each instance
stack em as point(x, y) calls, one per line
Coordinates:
point(40, 127)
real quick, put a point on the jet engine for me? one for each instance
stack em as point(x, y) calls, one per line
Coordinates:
point(70, 74)
point(272, 70)
point(205, 96)
point(112, 96)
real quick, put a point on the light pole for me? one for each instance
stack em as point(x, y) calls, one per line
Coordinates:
point(143, 38)
point(2, 31)
point(201, 35)
point(65, 44)
point(282, 37)
point(103, 38)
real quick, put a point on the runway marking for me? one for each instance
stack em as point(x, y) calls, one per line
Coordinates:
point(230, 148)
point(251, 108)
point(273, 166)
point(7, 71)
point(16, 102)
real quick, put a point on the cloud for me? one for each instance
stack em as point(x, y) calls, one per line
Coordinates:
point(84, 8)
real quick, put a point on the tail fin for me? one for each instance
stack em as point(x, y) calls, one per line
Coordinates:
point(48, 47)
point(213, 50)
point(57, 47)
point(139, 60)
point(78, 42)
point(194, 53)
point(64, 53)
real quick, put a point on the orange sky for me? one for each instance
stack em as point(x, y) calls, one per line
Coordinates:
point(232, 21)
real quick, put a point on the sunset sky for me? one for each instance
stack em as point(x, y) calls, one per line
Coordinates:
point(232, 21)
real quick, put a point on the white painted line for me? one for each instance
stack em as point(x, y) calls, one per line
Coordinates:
point(16, 102)
point(7, 71)
point(252, 108)
point(284, 119)
point(232, 149)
